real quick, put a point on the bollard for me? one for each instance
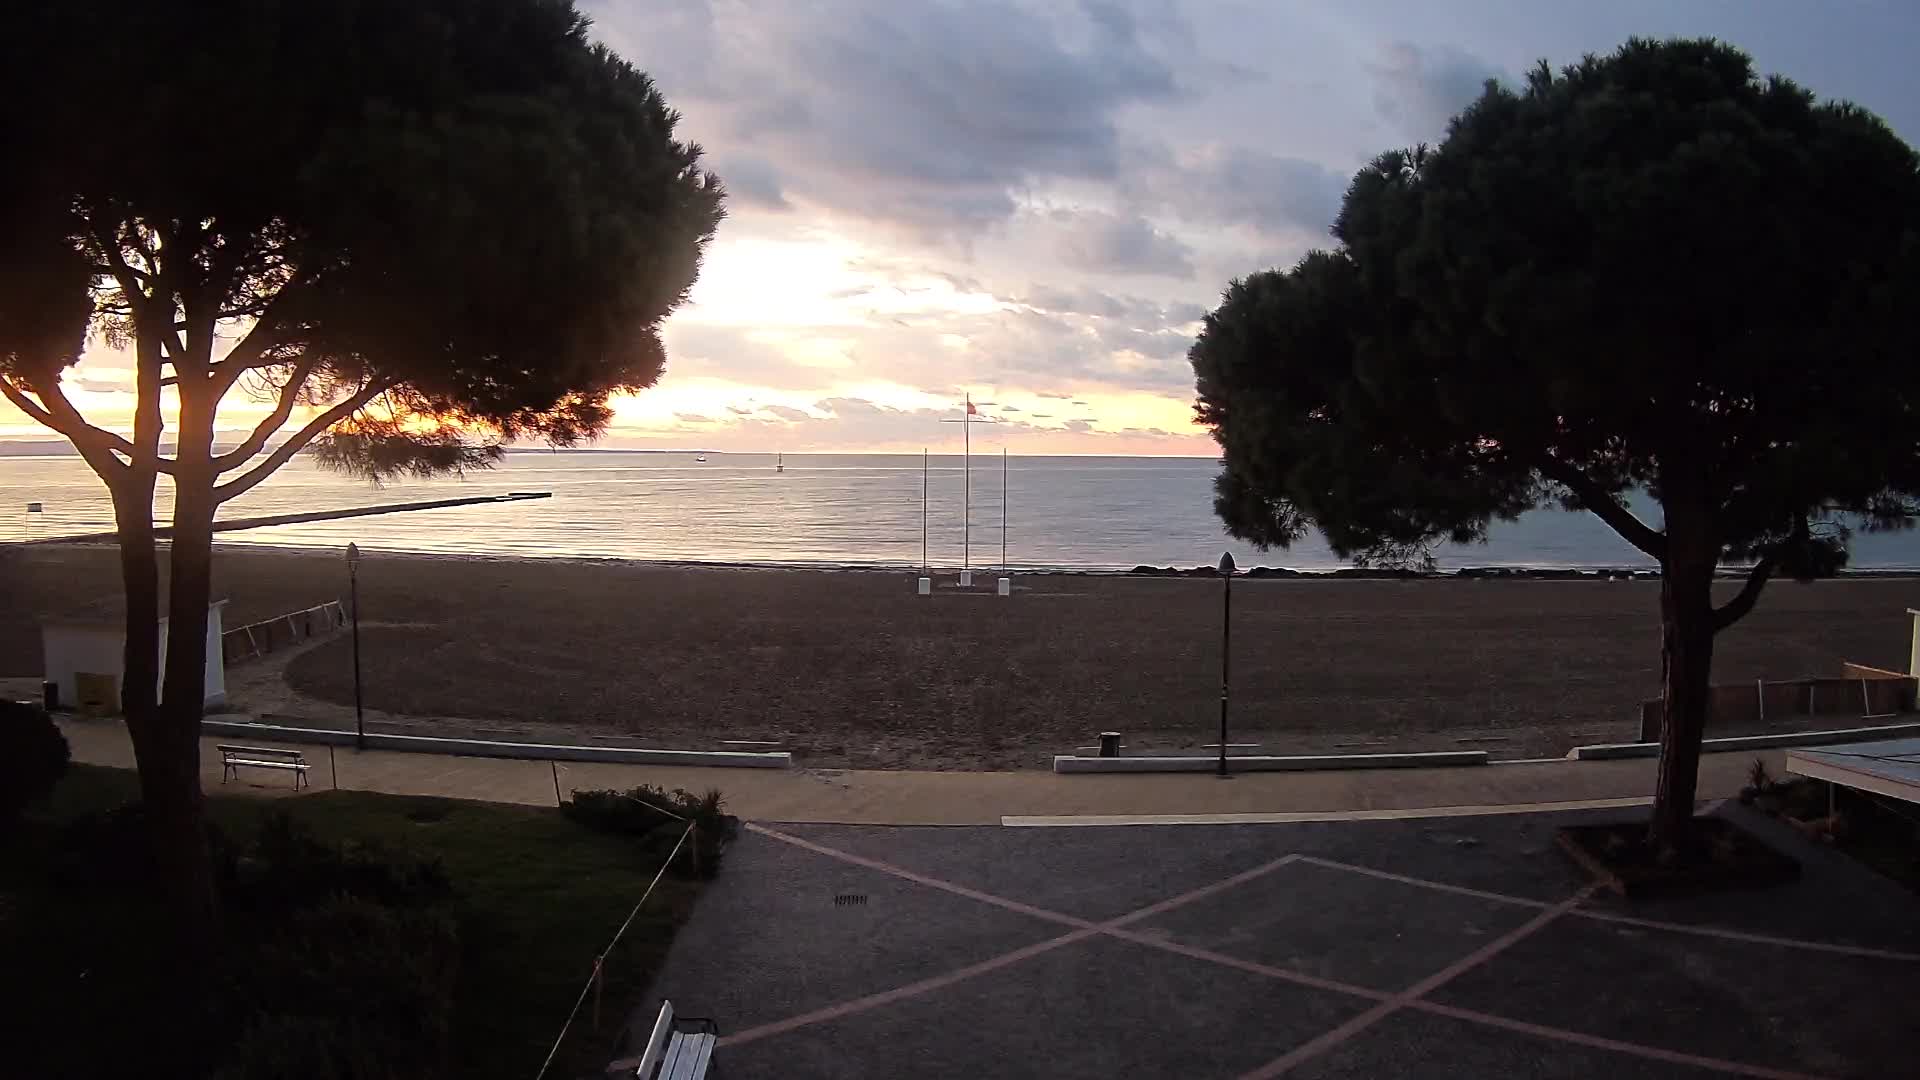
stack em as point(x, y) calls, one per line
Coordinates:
point(1109, 744)
point(925, 588)
point(50, 695)
point(1006, 586)
point(966, 579)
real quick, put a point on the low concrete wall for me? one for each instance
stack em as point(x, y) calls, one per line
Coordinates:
point(1069, 763)
point(426, 744)
point(1608, 751)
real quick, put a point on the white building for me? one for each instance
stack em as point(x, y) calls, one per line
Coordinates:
point(87, 653)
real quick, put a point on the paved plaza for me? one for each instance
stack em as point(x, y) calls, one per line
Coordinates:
point(1443, 947)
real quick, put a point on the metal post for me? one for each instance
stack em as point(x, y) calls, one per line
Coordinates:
point(333, 767)
point(1226, 652)
point(924, 563)
point(1003, 509)
point(353, 594)
point(555, 767)
point(966, 499)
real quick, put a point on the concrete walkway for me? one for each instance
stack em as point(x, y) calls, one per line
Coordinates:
point(854, 797)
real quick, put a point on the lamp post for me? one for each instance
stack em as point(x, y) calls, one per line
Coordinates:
point(1226, 651)
point(353, 597)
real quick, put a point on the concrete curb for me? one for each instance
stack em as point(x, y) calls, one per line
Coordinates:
point(1069, 763)
point(426, 744)
point(1614, 751)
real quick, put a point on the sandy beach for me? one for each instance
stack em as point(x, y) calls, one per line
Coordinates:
point(849, 669)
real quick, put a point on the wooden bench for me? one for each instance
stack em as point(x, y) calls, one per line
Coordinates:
point(673, 1054)
point(262, 757)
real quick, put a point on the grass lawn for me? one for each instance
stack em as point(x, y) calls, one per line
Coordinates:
point(537, 897)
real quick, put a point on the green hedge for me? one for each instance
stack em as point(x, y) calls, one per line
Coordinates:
point(657, 818)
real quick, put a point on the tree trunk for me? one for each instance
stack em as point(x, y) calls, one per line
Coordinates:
point(174, 798)
point(1686, 641)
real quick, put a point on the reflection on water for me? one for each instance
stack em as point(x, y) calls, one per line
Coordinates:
point(1078, 512)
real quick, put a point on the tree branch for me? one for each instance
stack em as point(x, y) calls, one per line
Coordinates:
point(1737, 608)
point(1601, 503)
point(95, 444)
point(129, 279)
point(60, 414)
point(266, 333)
point(245, 482)
point(282, 409)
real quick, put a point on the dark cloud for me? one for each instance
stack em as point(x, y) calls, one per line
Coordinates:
point(929, 116)
point(1417, 90)
point(1080, 425)
point(1132, 310)
point(787, 413)
point(696, 418)
point(1237, 186)
point(1124, 244)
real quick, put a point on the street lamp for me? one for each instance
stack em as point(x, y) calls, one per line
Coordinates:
point(1226, 651)
point(353, 596)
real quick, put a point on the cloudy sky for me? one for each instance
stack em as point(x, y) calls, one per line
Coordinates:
point(1034, 202)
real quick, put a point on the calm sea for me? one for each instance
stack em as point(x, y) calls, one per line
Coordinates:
point(824, 509)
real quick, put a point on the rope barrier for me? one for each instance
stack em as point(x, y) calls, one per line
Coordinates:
point(600, 961)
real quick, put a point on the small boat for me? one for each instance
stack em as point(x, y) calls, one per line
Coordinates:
point(779, 463)
point(700, 458)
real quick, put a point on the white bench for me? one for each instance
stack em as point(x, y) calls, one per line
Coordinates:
point(262, 757)
point(672, 1054)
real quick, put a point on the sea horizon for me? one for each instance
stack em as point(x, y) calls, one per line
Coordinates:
point(1086, 513)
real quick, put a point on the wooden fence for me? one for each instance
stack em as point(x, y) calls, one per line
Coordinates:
point(1862, 693)
point(255, 640)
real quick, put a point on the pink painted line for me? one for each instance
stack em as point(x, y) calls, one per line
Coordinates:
point(901, 993)
point(1652, 1053)
point(1386, 1004)
point(1300, 978)
point(1203, 892)
point(1424, 883)
point(1326, 1041)
point(1757, 939)
point(1607, 916)
point(922, 879)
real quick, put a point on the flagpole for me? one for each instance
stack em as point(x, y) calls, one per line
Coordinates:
point(1003, 509)
point(924, 564)
point(966, 499)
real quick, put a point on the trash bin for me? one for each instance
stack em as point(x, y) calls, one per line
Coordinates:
point(1109, 744)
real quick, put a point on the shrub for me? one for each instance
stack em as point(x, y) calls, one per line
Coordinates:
point(657, 818)
point(33, 757)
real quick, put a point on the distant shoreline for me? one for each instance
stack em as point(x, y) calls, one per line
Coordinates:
point(1256, 573)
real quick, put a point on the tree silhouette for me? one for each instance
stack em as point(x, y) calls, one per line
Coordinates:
point(414, 230)
point(1651, 270)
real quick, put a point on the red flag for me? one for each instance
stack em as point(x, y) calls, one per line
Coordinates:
point(970, 409)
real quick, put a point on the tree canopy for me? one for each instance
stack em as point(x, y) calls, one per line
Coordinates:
point(410, 230)
point(445, 219)
point(1652, 270)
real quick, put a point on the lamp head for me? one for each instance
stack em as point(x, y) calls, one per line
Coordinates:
point(353, 554)
point(1226, 562)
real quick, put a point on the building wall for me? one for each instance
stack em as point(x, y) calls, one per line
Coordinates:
point(71, 648)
